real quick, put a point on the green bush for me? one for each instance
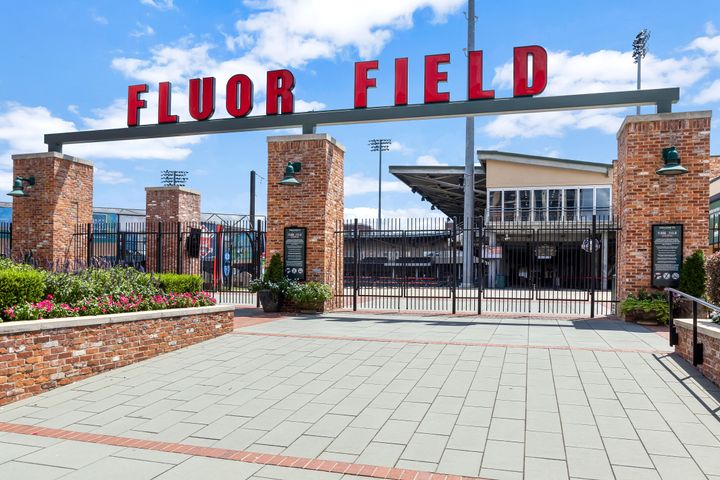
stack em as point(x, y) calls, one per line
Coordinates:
point(712, 268)
point(646, 306)
point(179, 283)
point(693, 276)
point(94, 282)
point(310, 295)
point(20, 285)
point(274, 272)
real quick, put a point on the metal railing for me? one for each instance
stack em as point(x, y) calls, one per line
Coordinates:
point(697, 347)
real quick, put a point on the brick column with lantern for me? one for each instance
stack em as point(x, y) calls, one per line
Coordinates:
point(311, 199)
point(53, 193)
point(648, 191)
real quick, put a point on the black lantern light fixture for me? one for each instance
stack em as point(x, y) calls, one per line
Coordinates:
point(672, 163)
point(290, 171)
point(19, 186)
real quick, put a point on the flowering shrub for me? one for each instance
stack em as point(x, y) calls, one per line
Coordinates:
point(106, 304)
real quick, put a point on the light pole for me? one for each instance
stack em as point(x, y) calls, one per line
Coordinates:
point(379, 145)
point(639, 46)
point(469, 174)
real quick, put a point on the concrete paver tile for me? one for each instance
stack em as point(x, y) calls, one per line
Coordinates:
point(545, 469)
point(501, 455)
point(460, 462)
point(307, 446)
point(425, 447)
point(376, 453)
point(708, 458)
point(70, 454)
point(330, 425)
point(11, 451)
point(396, 431)
point(695, 434)
point(615, 427)
point(543, 422)
point(411, 411)
point(152, 456)
point(352, 440)
point(115, 468)
point(508, 429)
point(635, 473)
point(500, 474)
point(217, 469)
point(675, 467)
point(625, 452)
point(284, 434)
point(31, 471)
point(588, 463)
point(544, 445)
point(437, 423)
point(475, 416)
point(464, 437)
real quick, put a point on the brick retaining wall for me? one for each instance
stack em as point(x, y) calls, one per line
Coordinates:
point(40, 355)
point(709, 336)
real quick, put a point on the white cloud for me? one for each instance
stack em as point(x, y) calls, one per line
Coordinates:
point(159, 4)
point(709, 94)
point(428, 160)
point(111, 177)
point(303, 106)
point(709, 45)
point(360, 184)
point(294, 32)
point(72, 108)
point(142, 31)
point(601, 71)
point(710, 28)
point(98, 18)
point(22, 128)
point(401, 148)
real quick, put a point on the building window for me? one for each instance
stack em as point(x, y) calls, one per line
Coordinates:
point(570, 204)
point(509, 200)
point(495, 206)
point(554, 204)
point(602, 203)
point(525, 205)
point(540, 205)
point(586, 203)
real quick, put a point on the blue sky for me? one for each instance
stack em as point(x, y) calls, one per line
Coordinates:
point(66, 66)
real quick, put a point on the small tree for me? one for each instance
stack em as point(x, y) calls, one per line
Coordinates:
point(692, 275)
point(274, 272)
point(713, 277)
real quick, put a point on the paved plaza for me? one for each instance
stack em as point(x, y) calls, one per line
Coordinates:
point(381, 396)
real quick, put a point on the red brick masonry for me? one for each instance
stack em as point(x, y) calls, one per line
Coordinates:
point(41, 355)
point(709, 336)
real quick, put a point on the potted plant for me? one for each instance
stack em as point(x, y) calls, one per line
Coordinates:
point(646, 308)
point(273, 287)
point(310, 296)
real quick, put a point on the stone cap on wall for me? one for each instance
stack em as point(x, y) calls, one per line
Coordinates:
point(171, 188)
point(705, 327)
point(663, 116)
point(306, 136)
point(62, 156)
point(72, 322)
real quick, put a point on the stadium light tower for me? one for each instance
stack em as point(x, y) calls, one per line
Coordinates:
point(639, 46)
point(379, 145)
point(174, 178)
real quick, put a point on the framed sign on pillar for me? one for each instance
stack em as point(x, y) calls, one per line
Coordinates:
point(295, 248)
point(667, 255)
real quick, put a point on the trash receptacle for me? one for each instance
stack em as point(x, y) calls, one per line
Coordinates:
point(500, 281)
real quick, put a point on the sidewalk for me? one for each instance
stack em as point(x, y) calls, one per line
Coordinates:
point(381, 396)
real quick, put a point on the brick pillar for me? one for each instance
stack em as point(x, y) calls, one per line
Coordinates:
point(43, 223)
point(317, 204)
point(170, 215)
point(642, 198)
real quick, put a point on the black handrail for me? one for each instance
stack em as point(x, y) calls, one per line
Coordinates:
point(697, 347)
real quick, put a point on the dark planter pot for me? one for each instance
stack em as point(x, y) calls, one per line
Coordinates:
point(270, 303)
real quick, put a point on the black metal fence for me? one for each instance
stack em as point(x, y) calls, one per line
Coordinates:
point(227, 255)
point(518, 266)
point(5, 239)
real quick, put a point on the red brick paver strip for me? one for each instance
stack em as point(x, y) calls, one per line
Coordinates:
point(454, 343)
point(369, 471)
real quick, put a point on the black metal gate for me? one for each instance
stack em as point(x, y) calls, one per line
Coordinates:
point(227, 255)
point(559, 267)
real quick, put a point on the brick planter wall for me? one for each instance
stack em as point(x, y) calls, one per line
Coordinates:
point(41, 355)
point(709, 336)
